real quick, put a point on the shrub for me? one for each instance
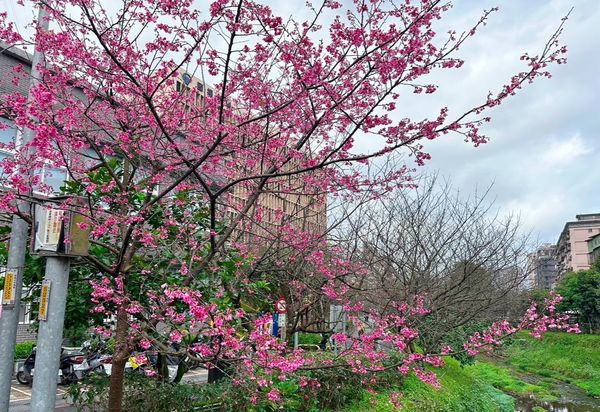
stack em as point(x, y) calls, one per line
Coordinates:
point(142, 394)
point(309, 338)
point(336, 388)
point(22, 350)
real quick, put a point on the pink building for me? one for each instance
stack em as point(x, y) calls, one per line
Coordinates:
point(572, 252)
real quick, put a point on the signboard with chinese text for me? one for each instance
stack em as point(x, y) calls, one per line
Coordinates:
point(58, 232)
point(44, 299)
point(10, 288)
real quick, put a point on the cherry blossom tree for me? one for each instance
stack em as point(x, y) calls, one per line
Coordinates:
point(170, 178)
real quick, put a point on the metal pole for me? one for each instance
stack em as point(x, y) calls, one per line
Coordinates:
point(16, 257)
point(50, 335)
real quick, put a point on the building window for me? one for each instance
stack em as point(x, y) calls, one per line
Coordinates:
point(54, 177)
point(25, 314)
point(4, 155)
point(51, 176)
point(8, 132)
point(209, 92)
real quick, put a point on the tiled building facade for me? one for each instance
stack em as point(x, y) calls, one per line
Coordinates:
point(542, 267)
point(572, 253)
point(286, 201)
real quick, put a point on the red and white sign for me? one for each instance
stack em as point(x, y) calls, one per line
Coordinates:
point(281, 306)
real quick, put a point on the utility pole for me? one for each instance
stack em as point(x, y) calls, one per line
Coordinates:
point(50, 334)
point(16, 256)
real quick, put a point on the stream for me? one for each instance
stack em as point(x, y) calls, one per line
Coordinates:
point(571, 399)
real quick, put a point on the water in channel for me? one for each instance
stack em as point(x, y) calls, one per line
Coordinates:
point(572, 399)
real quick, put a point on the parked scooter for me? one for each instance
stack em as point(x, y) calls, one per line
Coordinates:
point(73, 367)
point(98, 361)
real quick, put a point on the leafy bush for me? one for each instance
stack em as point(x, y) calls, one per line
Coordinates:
point(581, 293)
point(110, 346)
point(335, 389)
point(22, 350)
point(75, 335)
point(142, 394)
point(309, 338)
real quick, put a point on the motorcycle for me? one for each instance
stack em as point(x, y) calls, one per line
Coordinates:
point(97, 360)
point(72, 368)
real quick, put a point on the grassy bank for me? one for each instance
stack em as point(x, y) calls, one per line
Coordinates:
point(482, 387)
point(504, 379)
point(571, 358)
point(461, 391)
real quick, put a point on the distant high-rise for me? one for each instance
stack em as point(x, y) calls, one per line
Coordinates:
point(572, 253)
point(542, 267)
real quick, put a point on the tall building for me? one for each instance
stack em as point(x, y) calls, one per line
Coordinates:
point(541, 267)
point(284, 201)
point(572, 252)
point(594, 248)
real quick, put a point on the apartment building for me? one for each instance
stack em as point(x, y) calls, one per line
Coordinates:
point(594, 248)
point(282, 204)
point(572, 251)
point(285, 201)
point(541, 267)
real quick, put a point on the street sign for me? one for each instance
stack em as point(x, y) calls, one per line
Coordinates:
point(281, 306)
point(10, 287)
point(267, 327)
point(275, 325)
point(44, 298)
point(58, 232)
point(282, 326)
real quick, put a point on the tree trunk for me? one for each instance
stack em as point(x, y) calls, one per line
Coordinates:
point(182, 368)
point(162, 367)
point(115, 396)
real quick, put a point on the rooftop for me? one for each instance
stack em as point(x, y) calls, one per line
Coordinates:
point(15, 52)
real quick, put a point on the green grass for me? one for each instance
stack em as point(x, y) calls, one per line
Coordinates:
point(571, 358)
point(460, 391)
point(501, 378)
point(481, 387)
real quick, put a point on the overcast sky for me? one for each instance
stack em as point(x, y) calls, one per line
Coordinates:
point(545, 146)
point(545, 142)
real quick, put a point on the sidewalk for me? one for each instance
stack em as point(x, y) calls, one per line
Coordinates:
point(24, 406)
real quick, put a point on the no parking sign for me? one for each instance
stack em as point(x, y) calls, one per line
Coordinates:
point(281, 306)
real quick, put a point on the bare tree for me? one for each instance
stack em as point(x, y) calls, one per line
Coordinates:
point(464, 257)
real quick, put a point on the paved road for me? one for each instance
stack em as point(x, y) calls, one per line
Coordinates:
point(20, 395)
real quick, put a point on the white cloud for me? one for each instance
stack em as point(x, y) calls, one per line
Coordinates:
point(536, 211)
point(561, 153)
point(544, 141)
